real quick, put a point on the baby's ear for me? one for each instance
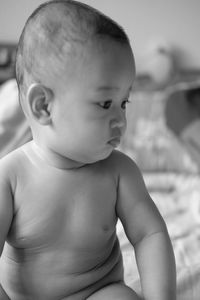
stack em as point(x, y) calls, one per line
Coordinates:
point(40, 100)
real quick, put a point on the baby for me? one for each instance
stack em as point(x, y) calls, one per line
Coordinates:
point(62, 193)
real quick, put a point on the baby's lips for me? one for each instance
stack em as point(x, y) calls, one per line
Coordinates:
point(114, 141)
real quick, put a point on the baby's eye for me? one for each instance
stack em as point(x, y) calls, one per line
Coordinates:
point(124, 103)
point(106, 104)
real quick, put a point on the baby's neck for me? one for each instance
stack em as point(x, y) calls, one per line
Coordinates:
point(54, 159)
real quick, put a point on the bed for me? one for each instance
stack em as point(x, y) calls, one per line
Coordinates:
point(171, 172)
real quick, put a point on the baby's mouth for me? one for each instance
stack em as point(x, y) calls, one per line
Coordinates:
point(114, 142)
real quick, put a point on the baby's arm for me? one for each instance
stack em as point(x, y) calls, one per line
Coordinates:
point(6, 214)
point(147, 232)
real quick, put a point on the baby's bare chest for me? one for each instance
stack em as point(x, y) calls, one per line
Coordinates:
point(76, 209)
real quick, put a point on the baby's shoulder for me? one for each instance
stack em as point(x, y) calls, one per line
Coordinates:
point(128, 173)
point(119, 156)
point(122, 163)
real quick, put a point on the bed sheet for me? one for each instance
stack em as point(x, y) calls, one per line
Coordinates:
point(177, 196)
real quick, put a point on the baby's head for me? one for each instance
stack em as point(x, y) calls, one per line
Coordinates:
point(66, 52)
point(54, 35)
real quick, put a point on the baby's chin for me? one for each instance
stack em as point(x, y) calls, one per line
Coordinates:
point(89, 157)
point(94, 158)
point(100, 156)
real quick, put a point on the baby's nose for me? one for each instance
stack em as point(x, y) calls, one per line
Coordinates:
point(119, 121)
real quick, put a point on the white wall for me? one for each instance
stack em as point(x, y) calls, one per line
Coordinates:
point(177, 21)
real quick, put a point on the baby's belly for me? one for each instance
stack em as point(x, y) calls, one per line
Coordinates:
point(49, 274)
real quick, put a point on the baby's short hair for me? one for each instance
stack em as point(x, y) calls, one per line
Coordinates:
point(58, 27)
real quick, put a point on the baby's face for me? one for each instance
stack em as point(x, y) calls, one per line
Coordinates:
point(89, 115)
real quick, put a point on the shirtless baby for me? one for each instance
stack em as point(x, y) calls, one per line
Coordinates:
point(62, 193)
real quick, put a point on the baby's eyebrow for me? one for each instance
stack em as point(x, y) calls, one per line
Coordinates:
point(110, 88)
point(106, 88)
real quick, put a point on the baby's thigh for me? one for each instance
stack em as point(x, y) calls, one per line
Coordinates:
point(115, 291)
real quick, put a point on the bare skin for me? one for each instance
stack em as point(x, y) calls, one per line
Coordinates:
point(62, 242)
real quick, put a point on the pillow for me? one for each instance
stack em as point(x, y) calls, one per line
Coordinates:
point(148, 139)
